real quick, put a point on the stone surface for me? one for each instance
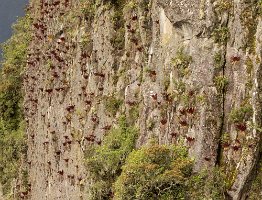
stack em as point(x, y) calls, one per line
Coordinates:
point(167, 70)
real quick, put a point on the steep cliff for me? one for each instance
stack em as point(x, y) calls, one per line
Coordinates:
point(183, 72)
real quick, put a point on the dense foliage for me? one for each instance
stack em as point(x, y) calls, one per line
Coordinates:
point(155, 172)
point(12, 138)
point(119, 171)
point(165, 172)
point(256, 187)
point(104, 162)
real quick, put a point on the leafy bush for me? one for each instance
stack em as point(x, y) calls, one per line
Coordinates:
point(133, 114)
point(117, 3)
point(221, 83)
point(207, 185)
point(112, 104)
point(221, 35)
point(223, 6)
point(219, 60)
point(104, 162)
point(181, 62)
point(14, 55)
point(118, 171)
point(118, 40)
point(12, 137)
point(154, 172)
point(256, 187)
point(13, 147)
point(88, 9)
point(241, 113)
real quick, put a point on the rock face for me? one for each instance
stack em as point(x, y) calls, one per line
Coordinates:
point(188, 72)
point(1, 193)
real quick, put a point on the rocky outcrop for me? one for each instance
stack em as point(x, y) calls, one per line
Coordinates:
point(187, 72)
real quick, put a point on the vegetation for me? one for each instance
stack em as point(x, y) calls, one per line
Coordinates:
point(12, 137)
point(221, 35)
point(133, 114)
point(118, 171)
point(180, 86)
point(207, 185)
point(118, 40)
point(13, 147)
point(223, 5)
point(117, 3)
point(249, 20)
point(218, 60)
point(181, 62)
point(14, 54)
point(151, 124)
point(221, 83)
point(104, 162)
point(112, 104)
point(249, 66)
point(225, 138)
point(85, 42)
point(88, 9)
point(256, 187)
point(166, 82)
point(241, 113)
point(154, 172)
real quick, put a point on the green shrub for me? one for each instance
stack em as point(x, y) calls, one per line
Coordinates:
point(112, 104)
point(85, 42)
point(180, 86)
point(221, 83)
point(13, 147)
point(104, 162)
point(207, 185)
point(88, 9)
point(118, 38)
point(256, 187)
point(118, 41)
point(219, 60)
point(241, 113)
point(181, 62)
point(154, 172)
point(133, 114)
point(118, 171)
point(116, 3)
point(12, 131)
point(221, 35)
point(10, 104)
point(14, 61)
point(249, 66)
point(223, 6)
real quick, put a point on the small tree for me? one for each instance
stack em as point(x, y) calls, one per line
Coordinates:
point(154, 172)
point(104, 162)
point(12, 127)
